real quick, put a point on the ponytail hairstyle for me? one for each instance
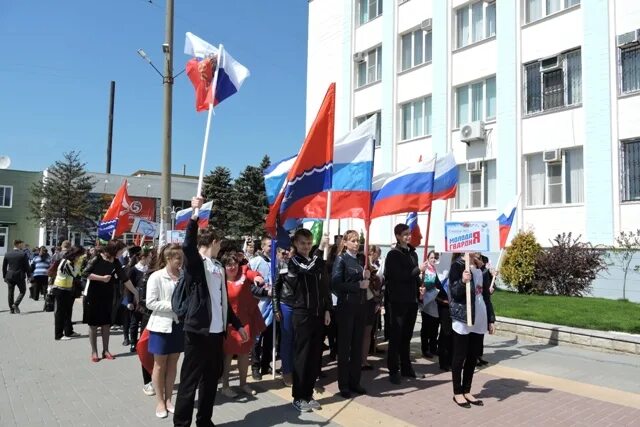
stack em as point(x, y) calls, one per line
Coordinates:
point(167, 252)
point(342, 248)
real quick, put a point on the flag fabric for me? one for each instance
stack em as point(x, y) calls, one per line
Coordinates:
point(406, 191)
point(316, 231)
point(183, 216)
point(445, 181)
point(111, 225)
point(200, 70)
point(505, 220)
point(311, 172)
point(414, 227)
point(275, 176)
point(351, 176)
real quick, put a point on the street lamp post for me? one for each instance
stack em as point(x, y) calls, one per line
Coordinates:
point(57, 235)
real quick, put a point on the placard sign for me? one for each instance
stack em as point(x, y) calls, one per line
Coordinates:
point(145, 227)
point(472, 236)
point(175, 236)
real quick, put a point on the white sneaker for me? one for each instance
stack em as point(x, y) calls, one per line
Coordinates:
point(148, 389)
point(65, 338)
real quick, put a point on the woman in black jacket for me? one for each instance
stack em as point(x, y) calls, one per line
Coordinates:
point(349, 281)
point(467, 339)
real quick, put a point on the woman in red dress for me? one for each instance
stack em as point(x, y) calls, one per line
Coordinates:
point(245, 306)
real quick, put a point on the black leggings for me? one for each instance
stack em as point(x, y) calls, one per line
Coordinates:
point(464, 358)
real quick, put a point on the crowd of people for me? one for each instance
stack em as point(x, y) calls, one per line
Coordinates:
point(231, 305)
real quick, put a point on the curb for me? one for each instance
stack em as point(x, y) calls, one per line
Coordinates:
point(547, 333)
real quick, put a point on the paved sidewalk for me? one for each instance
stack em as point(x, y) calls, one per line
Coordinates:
point(45, 383)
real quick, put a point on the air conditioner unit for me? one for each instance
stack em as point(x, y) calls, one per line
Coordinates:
point(629, 38)
point(551, 156)
point(474, 166)
point(473, 131)
point(359, 57)
point(549, 63)
point(426, 24)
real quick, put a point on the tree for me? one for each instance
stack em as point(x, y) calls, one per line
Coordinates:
point(627, 246)
point(569, 267)
point(519, 265)
point(218, 188)
point(65, 195)
point(250, 201)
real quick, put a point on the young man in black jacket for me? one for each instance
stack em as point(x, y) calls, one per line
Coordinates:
point(402, 278)
point(205, 324)
point(305, 286)
point(15, 270)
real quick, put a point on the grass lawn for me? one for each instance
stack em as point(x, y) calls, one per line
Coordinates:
point(590, 313)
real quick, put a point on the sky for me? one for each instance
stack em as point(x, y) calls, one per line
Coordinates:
point(58, 58)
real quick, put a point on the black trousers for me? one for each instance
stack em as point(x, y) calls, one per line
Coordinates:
point(135, 324)
point(445, 338)
point(403, 319)
point(465, 355)
point(429, 334)
point(261, 352)
point(308, 331)
point(351, 319)
point(201, 369)
point(63, 313)
point(22, 288)
point(331, 332)
point(38, 287)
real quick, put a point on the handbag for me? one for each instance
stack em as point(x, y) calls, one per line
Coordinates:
point(49, 302)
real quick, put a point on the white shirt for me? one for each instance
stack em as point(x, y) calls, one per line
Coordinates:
point(160, 287)
point(480, 322)
point(214, 272)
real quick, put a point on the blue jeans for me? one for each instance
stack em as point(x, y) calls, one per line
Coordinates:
point(286, 338)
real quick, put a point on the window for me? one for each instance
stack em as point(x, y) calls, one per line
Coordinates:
point(361, 119)
point(369, 9)
point(477, 190)
point(557, 182)
point(6, 193)
point(538, 9)
point(630, 68)
point(476, 101)
point(370, 70)
point(630, 153)
point(416, 49)
point(553, 82)
point(416, 118)
point(475, 22)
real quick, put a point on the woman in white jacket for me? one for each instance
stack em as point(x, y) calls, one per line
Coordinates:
point(166, 339)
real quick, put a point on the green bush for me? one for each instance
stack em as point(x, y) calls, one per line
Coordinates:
point(518, 269)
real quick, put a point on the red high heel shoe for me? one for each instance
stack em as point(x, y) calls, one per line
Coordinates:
point(108, 356)
point(94, 358)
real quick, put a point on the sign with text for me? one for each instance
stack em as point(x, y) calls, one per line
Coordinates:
point(145, 227)
point(175, 236)
point(471, 236)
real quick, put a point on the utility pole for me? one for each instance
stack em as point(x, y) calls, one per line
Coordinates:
point(167, 48)
point(110, 132)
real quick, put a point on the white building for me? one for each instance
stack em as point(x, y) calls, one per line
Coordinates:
point(545, 93)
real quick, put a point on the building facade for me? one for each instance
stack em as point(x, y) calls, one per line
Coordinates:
point(537, 98)
point(14, 209)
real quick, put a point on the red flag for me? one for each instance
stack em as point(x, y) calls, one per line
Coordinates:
point(200, 72)
point(118, 208)
point(312, 171)
point(142, 347)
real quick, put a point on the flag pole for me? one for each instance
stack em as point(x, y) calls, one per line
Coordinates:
point(208, 127)
point(274, 276)
point(367, 225)
point(426, 239)
point(328, 222)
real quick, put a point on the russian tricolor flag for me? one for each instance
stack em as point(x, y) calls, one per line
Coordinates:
point(410, 190)
point(183, 217)
point(231, 74)
point(416, 234)
point(505, 220)
point(446, 178)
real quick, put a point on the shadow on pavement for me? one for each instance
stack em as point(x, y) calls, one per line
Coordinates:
point(274, 415)
point(503, 388)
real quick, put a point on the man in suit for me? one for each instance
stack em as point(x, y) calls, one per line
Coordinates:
point(15, 270)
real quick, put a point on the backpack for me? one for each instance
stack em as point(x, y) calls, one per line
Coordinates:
point(180, 297)
point(52, 271)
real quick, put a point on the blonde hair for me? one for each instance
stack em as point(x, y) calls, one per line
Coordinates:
point(346, 236)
